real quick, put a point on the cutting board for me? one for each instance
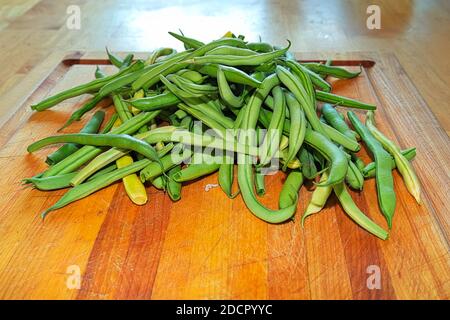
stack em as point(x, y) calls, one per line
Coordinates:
point(207, 246)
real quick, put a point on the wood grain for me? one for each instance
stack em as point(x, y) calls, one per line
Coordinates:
point(209, 247)
point(416, 31)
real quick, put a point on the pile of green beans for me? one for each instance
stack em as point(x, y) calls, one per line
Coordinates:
point(277, 112)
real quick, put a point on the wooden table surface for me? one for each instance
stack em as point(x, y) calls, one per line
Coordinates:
point(416, 31)
point(187, 249)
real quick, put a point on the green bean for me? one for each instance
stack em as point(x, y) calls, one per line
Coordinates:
point(155, 70)
point(160, 52)
point(91, 126)
point(180, 114)
point(297, 128)
point(125, 79)
point(263, 47)
point(369, 170)
point(253, 60)
point(127, 61)
point(192, 75)
point(199, 110)
point(245, 170)
point(211, 122)
point(123, 141)
point(152, 169)
point(195, 170)
point(160, 182)
point(89, 87)
point(198, 52)
point(358, 162)
point(302, 94)
point(96, 163)
point(51, 183)
point(87, 153)
point(187, 123)
point(188, 42)
point(309, 169)
point(319, 159)
point(260, 183)
point(230, 50)
point(173, 187)
point(355, 214)
point(109, 156)
point(152, 77)
point(334, 119)
point(103, 171)
point(336, 136)
point(121, 108)
point(76, 116)
point(383, 177)
point(343, 101)
point(333, 71)
point(231, 74)
point(273, 216)
point(115, 60)
point(225, 91)
point(271, 141)
point(87, 188)
point(328, 63)
point(172, 134)
point(318, 199)
point(108, 126)
point(226, 176)
point(337, 158)
point(251, 113)
point(99, 73)
point(404, 167)
point(293, 164)
point(191, 87)
point(267, 67)
point(157, 102)
point(61, 181)
point(290, 189)
point(354, 177)
point(315, 78)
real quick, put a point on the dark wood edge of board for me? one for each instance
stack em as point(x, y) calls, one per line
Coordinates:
point(77, 58)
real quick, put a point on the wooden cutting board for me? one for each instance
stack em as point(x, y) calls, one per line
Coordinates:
point(207, 246)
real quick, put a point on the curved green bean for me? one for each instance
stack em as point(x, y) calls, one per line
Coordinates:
point(383, 178)
point(123, 141)
point(334, 118)
point(232, 74)
point(318, 199)
point(369, 170)
point(302, 94)
point(225, 91)
point(353, 212)
point(194, 171)
point(333, 71)
point(173, 187)
point(188, 42)
point(337, 158)
point(404, 167)
point(91, 126)
point(297, 128)
point(290, 189)
point(89, 87)
point(230, 50)
point(253, 60)
point(343, 101)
